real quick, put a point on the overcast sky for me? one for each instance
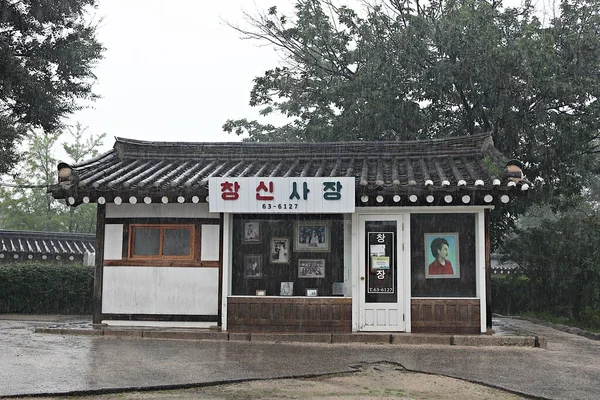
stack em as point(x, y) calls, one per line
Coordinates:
point(173, 70)
point(174, 73)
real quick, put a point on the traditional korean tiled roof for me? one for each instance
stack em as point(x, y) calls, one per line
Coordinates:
point(176, 171)
point(27, 245)
point(499, 265)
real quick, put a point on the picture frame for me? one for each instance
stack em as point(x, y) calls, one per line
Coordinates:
point(312, 236)
point(251, 232)
point(312, 292)
point(279, 251)
point(447, 262)
point(287, 289)
point(311, 268)
point(260, 292)
point(253, 266)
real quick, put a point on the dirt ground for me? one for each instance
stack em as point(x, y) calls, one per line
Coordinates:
point(376, 381)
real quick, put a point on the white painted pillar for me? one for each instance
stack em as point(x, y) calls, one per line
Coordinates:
point(480, 268)
point(355, 276)
point(227, 254)
point(406, 267)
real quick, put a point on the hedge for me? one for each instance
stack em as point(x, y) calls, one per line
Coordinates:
point(511, 295)
point(35, 288)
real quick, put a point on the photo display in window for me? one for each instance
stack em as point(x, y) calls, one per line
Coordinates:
point(305, 252)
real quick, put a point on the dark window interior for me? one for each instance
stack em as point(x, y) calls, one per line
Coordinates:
point(464, 225)
point(284, 249)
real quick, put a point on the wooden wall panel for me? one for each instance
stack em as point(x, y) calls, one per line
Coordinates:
point(445, 315)
point(281, 314)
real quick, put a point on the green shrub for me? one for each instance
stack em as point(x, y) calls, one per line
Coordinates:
point(561, 274)
point(590, 317)
point(511, 294)
point(34, 288)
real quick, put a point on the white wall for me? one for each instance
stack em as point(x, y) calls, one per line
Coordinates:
point(186, 210)
point(113, 241)
point(209, 248)
point(160, 290)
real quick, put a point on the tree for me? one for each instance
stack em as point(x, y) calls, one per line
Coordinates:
point(563, 276)
point(47, 51)
point(27, 206)
point(404, 69)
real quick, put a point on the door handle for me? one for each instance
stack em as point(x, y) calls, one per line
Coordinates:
point(362, 278)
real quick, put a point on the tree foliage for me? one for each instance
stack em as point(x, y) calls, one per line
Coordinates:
point(28, 206)
point(404, 69)
point(562, 276)
point(47, 51)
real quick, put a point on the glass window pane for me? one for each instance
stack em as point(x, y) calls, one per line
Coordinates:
point(147, 241)
point(176, 242)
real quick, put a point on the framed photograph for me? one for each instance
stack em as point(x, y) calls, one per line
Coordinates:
point(311, 292)
point(253, 266)
point(311, 268)
point(251, 232)
point(312, 236)
point(280, 251)
point(287, 289)
point(260, 292)
point(441, 255)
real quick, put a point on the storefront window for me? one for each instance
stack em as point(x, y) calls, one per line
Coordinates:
point(287, 255)
point(443, 255)
point(161, 241)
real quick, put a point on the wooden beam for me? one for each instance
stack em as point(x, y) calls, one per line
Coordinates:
point(99, 270)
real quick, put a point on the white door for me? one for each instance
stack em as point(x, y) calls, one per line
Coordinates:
point(379, 243)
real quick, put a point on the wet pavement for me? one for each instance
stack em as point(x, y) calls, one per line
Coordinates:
point(36, 363)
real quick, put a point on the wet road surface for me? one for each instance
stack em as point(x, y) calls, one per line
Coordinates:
point(33, 363)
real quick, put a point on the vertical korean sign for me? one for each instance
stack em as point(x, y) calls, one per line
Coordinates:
point(281, 195)
point(381, 263)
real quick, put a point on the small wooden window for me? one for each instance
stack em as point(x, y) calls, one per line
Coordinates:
point(161, 241)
